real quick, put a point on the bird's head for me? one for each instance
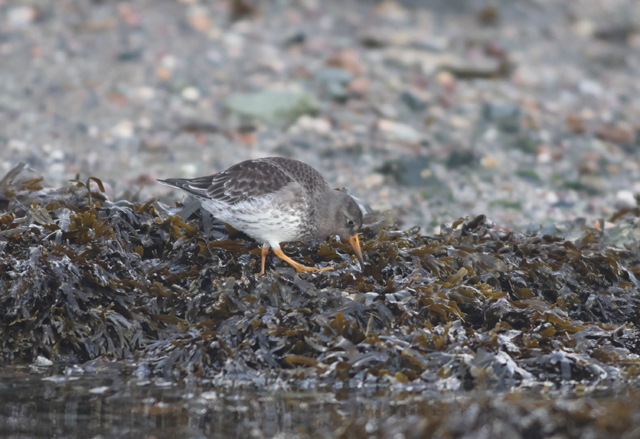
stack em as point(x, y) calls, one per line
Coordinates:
point(346, 220)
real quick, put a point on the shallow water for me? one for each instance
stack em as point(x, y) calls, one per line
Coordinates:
point(113, 403)
point(72, 405)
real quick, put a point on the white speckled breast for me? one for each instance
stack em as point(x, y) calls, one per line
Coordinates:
point(280, 216)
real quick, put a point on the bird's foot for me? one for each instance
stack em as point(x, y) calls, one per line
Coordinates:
point(298, 267)
point(304, 269)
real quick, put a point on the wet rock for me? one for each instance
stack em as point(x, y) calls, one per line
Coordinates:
point(620, 34)
point(399, 131)
point(616, 133)
point(21, 16)
point(347, 59)
point(199, 19)
point(392, 10)
point(273, 106)
point(413, 101)
point(575, 124)
point(373, 40)
point(489, 15)
point(240, 9)
point(297, 38)
point(590, 163)
point(505, 115)
point(360, 87)
point(526, 144)
point(487, 67)
point(319, 125)
point(589, 87)
point(429, 62)
point(408, 170)
point(459, 158)
point(334, 81)
point(528, 174)
point(191, 94)
point(626, 198)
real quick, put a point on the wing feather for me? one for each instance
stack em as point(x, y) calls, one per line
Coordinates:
point(241, 182)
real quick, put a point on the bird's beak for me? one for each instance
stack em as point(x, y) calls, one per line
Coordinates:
point(355, 243)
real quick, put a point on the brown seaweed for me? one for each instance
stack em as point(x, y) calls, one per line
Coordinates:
point(83, 277)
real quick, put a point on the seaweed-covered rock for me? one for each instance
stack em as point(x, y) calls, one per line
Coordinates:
point(83, 277)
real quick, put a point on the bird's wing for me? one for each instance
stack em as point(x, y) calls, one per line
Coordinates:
point(241, 182)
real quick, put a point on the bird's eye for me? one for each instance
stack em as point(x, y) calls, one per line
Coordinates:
point(350, 223)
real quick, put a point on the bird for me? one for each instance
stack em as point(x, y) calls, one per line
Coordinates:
point(276, 200)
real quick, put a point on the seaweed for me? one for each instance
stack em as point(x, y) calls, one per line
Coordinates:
point(83, 277)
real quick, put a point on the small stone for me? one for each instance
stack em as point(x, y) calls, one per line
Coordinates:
point(334, 81)
point(489, 15)
point(373, 40)
point(391, 10)
point(243, 137)
point(626, 198)
point(445, 78)
point(163, 73)
point(360, 86)
point(42, 361)
point(98, 390)
point(169, 62)
point(387, 111)
point(590, 163)
point(551, 198)
point(488, 162)
point(189, 170)
point(295, 39)
point(128, 14)
point(588, 87)
point(399, 131)
point(273, 106)
point(413, 101)
point(319, 125)
point(426, 173)
point(199, 18)
point(347, 59)
point(373, 180)
point(410, 170)
point(481, 67)
point(243, 8)
point(156, 141)
point(459, 158)
point(505, 115)
point(616, 134)
point(617, 33)
point(191, 94)
point(574, 123)
point(584, 28)
point(123, 130)
point(21, 16)
point(544, 154)
point(145, 93)
point(144, 123)
point(329, 75)
point(146, 179)
point(459, 122)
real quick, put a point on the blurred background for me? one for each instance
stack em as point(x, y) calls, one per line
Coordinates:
point(524, 110)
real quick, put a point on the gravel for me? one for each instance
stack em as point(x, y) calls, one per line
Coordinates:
point(526, 112)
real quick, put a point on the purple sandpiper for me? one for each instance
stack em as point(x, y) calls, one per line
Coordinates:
point(276, 200)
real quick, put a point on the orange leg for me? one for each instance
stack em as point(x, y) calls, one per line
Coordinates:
point(299, 267)
point(265, 252)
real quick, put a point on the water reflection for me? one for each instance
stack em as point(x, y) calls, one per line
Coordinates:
point(105, 404)
point(110, 402)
